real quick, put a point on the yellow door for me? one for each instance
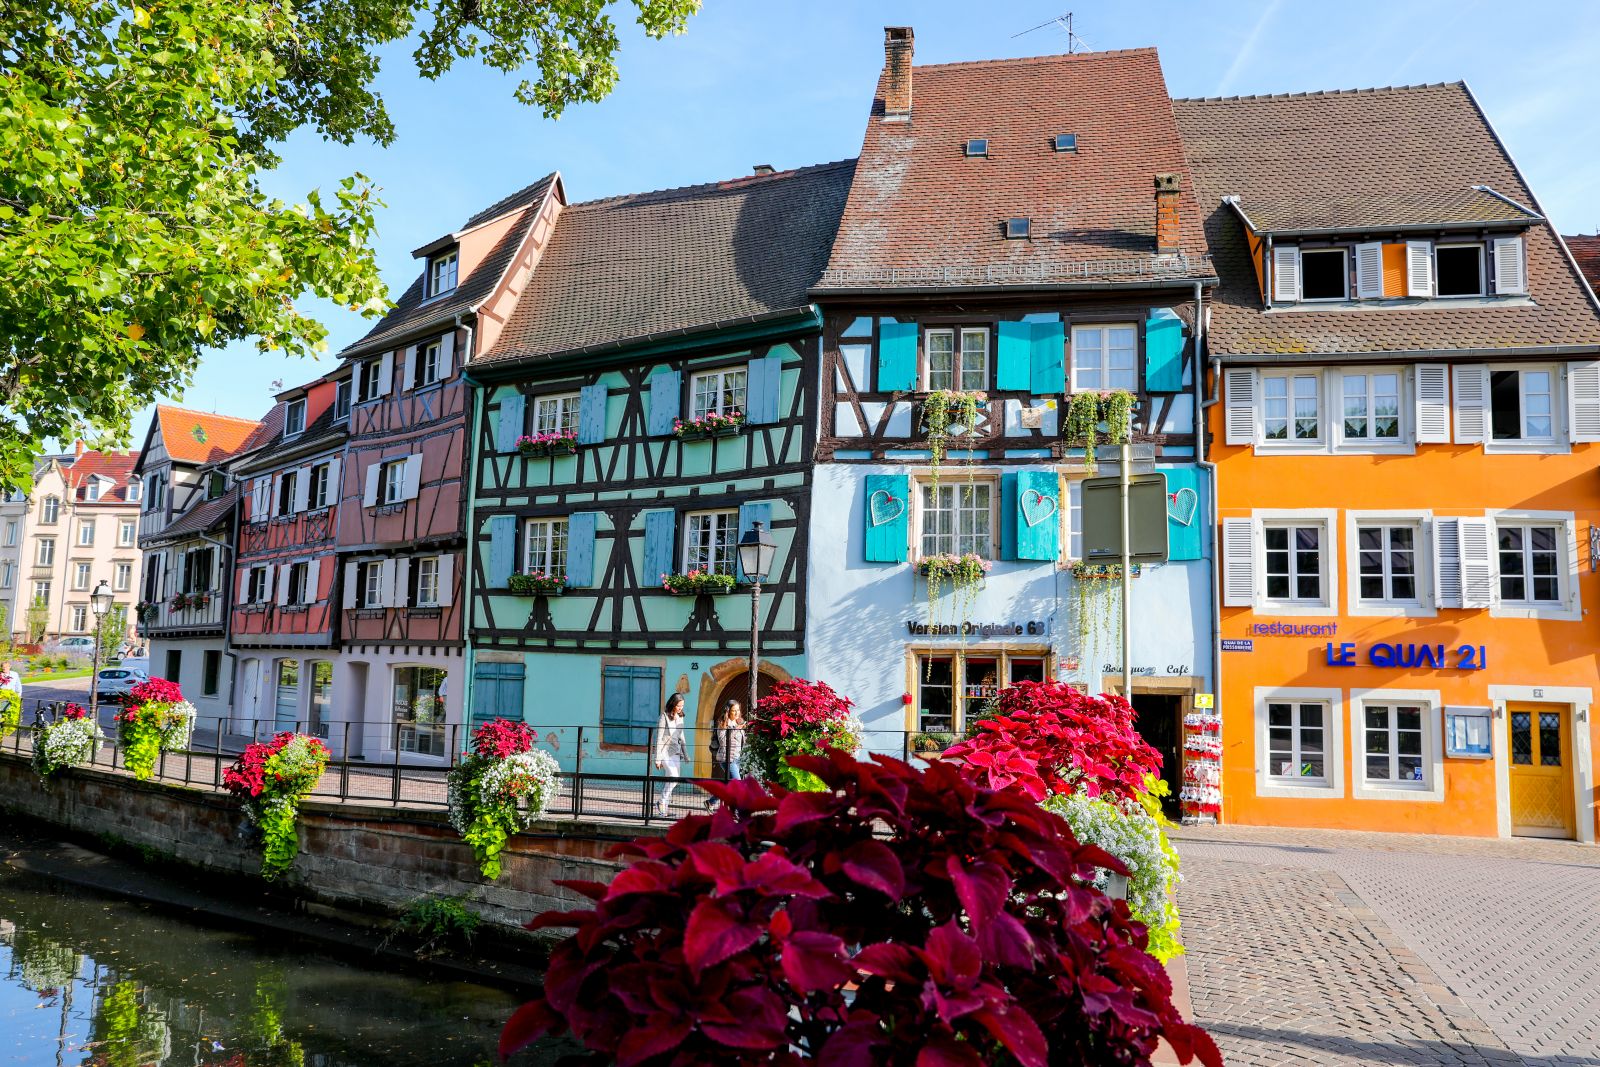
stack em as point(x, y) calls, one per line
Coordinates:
point(1541, 770)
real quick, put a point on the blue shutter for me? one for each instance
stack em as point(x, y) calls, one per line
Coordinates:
point(645, 707)
point(660, 528)
point(580, 549)
point(1037, 514)
point(1183, 503)
point(897, 356)
point(749, 515)
point(666, 400)
point(592, 414)
point(763, 388)
point(1008, 515)
point(510, 425)
point(502, 550)
point(1163, 352)
point(1014, 360)
point(887, 510)
point(1049, 373)
point(497, 692)
point(630, 704)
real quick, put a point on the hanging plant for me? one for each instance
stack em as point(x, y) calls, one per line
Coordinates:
point(10, 712)
point(1116, 410)
point(272, 778)
point(500, 789)
point(156, 720)
point(943, 409)
point(67, 740)
point(963, 575)
point(1086, 411)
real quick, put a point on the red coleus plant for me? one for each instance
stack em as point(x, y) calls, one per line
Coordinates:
point(155, 691)
point(499, 738)
point(1049, 738)
point(74, 711)
point(900, 917)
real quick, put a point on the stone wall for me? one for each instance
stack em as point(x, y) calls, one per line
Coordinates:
point(364, 857)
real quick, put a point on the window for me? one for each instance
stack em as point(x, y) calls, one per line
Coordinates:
point(631, 703)
point(1294, 561)
point(80, 576)
point(47, 552)
point(121, 577)
point(1521, 405)
point(1066, 142)
point(1297, 736)
point(419, 710)
point(719, 391)
point(154, 500)
point(1393, 744)
point(1530, 564)
point(1324, 274)
point(1103, 358)
point(175, 664)
point(957, 518)
point(211, 673)
point(132, 489)
point(85, 532)
point(1387, 563)
point(298, 573)
point(1075, 519)
point(1018, 229)
point(392, 481)
point(216, 484)
point(152, 576)
point(442, 273)
point(41, 592)
point(977, 146)
point(11, 533)
point(555, 414)
point(710, 542)
point(294, 417)
point(80, 618)
point(371, 380)
point(51, 510)
point(1371, 407)
point(288, 481)
point(321, 697)
point(425, 575)
point(544, 547)
point(91, 490)
point(427, 371)
point(199, 564)
point(953, 686)
point(256, 591)
point(1289, 408)
point(317, 495)
point(966, 369)
point(341, 400)
point(5, 574)
point(126, 532)
point(371, 576)
point(1459, 270)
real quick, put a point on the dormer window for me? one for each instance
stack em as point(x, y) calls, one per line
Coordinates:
point(91, 491)
point(442, 273)
point(294, 417)
point(1066, 142)
point(341, 400)
point(1018, 229)
point(1458, 269)
point(978, 146)
point(133, 490)
point(1324, 274)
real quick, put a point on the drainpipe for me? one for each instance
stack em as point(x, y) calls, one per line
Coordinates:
point(1266, 273)
point(1200, 421)
point(469, 411)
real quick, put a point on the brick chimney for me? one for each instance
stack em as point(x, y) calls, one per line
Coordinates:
point(897, 70)
point(1168, 232)
point(78, 447)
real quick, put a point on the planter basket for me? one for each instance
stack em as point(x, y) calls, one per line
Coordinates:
point(687, 433)
point(530, 585)
point(710, 584)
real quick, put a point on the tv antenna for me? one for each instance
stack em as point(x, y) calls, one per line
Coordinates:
point(1063, 22)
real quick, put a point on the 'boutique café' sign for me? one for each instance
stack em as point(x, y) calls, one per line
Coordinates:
point(1409, 655)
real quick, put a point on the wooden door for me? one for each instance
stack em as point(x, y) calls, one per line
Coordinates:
point(1540, 743)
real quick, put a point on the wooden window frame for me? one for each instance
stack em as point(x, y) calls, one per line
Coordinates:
point(920, 480)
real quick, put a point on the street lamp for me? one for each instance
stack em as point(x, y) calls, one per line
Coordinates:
point(100, 604)
point(756, 549)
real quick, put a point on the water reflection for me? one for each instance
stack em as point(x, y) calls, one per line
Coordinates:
point(86, 980)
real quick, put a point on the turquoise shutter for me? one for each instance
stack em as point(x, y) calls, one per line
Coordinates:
point(1014, 359)
point(580, 549)
point(1008, 515)
point(1048, 371)
point(749, 515)
point(897, 356)
point(660, 528)
point(502, 550)
point(592, 414)
point(1183, 513)
point(762, 389)
point(497, 692)
point(510, 425)
point(1163, 352)
point(666, 399)
point(630, 704)
point(1037, 515)
point(888, 517)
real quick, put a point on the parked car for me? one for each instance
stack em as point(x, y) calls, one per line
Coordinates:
point(115, 683)
point(72, 646)
point(136, 663)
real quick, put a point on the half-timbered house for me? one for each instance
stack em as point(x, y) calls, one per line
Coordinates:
point(649, 318)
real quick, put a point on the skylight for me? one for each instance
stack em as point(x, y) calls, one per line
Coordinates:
point(1017, 228)
point(1066, 142)
point(978, 146)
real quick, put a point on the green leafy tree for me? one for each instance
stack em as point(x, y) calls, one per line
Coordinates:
point(133, 228)
point(38, 620)
point(112, 631)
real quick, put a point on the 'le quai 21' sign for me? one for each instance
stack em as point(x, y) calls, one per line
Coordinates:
point(1385, 654)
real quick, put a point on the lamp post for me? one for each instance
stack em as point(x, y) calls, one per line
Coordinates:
point(100, 604)
point(756, 550)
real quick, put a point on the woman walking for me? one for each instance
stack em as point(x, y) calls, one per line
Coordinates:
point(671, 750)
point(727, 743)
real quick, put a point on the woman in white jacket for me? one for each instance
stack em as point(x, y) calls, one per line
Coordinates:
point(671, 750)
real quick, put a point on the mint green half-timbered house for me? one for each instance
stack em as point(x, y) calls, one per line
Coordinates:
point(646, 316)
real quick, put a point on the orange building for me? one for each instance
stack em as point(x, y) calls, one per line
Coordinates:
point(1406, 410)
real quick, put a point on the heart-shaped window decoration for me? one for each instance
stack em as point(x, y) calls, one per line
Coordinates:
point(1037, 507)
point(1182, 505)
point(884, 507)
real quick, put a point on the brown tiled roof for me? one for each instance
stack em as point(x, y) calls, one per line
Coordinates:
point(201, 436)
point(201, 517)
point(412, 312)
point(1268, 149)
point(922, 214)
point(1585, 249)
point(1327, 203)
point(631, 267)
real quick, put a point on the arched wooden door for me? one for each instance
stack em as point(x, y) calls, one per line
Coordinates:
point(728, 679)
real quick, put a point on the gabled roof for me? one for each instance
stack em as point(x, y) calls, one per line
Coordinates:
point(116, 467)
point(1326, 207)
point(1585, 248)
point(634, 267)
point(201, 436)
point(922, 214)
point(1342, 147)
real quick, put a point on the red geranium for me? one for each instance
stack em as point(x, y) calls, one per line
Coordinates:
point(248, 775)
point(156, 691)
point(74, 711)
point(499, 738)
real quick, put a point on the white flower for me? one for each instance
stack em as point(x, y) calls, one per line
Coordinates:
point(530, 780)
point(1135, 838)
point(175, 738)
point(66, 743)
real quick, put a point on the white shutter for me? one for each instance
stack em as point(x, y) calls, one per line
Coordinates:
point(1419, 268)
point(352, 574)
point(1238, 562)
point(1510, 274)
point(1241, 406)
point(335, 489)
point(1477, 563)
point(447, 355)
point(1447, 563)
point(1433, 403)
point(302, 488)
point(1286, 273)
point(267, 587)
point(369, 496)
point(1471, 403)
point(1583, 401)
point(283, 583)
point(447, 579)
point(244, 586)
point(399, 579)
point(313, 577)
point(411, 478)
point(1369, 270)
point(260, 490)
point(413, 366)
point(385, 374)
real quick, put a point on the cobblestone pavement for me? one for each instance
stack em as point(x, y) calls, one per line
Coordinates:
point(1326, 947)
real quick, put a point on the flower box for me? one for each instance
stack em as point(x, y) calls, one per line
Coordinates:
point(959, 571)
point(550, 443)
point(697, 582)
point(537, 584)
point(1100, 572)
point(707, 426)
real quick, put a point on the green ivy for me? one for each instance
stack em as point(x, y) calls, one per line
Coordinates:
point(10, 712)
point(280, 838)
point(141, 747)
point(942, 409)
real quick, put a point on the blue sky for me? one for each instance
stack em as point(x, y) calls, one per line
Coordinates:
point(789, 83)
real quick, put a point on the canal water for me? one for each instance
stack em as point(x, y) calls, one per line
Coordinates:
point(100, 981)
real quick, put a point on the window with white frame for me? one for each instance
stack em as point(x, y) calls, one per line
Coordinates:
point(1105, 358)
point(1324, 274)
point(11, 533)
point(256, 589)
point(419, 710)
point(317, 492)
point(1458, 270)
point(41, 592)
point(1530, 563)
point(372, 382)
point(1387, 562)
point(556, 414)
point(1522, 405)
point(392, 481)
point(298, 589)
point(341, 400)
point(425, 582)
point(80, 575)
point(370, 577)
point(80, 618)
point(711, 542)
point(956, 518)
point(1370, 411)
point(718, 392)
point(294, 417)
point(958, 359)
point(85, 532)
point(1290, 409)
point(91, 491)
point(132, 490)
point(1393, 744)
point(50, 512)
point(1297, 742)
point(126, 532)
point(1075, 519)
point(121, 577)
point(47, 552)
point(544, 547)
point(5, 574)
point(427, 364)
point(1295, 561)
point(442, 273)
